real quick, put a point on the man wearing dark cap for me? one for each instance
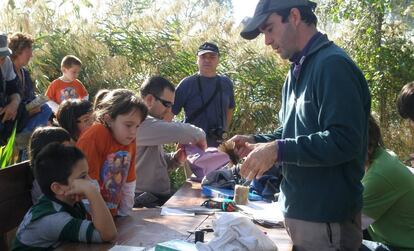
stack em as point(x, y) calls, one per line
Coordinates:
point(207, 98)
point(322, 139)
point(9, 94)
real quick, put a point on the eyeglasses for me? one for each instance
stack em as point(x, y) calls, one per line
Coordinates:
point(164, 102)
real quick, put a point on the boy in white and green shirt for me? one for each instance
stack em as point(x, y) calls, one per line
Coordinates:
point(62, 173)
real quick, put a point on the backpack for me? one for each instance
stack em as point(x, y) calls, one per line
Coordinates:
point(203, 162)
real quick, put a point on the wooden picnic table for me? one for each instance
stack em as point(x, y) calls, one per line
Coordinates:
point(193, 190)
point(146, 227)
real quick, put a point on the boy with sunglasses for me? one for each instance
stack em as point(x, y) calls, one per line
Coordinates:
point(152, 163)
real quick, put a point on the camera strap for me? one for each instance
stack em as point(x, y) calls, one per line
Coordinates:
point(200, 110)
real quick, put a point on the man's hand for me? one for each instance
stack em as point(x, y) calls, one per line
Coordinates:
point(202, 144)
point(180, 156)
point(9, 112)
point(260, 159)
point(243, 144)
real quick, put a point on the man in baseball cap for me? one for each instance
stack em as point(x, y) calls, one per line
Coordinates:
point(207, 97)
point(263, 11)
point(206, 48)
point(321, 142)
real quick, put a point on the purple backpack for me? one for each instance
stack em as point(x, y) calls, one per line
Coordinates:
point(203, 162)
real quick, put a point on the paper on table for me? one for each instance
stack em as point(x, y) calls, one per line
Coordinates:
point(126, 248)
point(261, 210)
point(166, 211)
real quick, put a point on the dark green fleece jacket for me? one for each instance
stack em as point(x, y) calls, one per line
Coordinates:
point(323, 134)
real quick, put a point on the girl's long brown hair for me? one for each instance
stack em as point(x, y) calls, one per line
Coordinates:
point(374, 139)
point(119, 102)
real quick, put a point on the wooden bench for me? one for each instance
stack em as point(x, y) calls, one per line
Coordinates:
point(15, 198)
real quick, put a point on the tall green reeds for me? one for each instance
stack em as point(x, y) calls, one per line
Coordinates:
point(135, 39)
point(6, 152)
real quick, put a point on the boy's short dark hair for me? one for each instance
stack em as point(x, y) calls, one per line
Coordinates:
point(54, 163)
point(69, 61)
point(405, 101)
point(155, 85)
point(42, 136)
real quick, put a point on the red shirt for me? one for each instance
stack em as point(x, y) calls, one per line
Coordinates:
point(59, 90)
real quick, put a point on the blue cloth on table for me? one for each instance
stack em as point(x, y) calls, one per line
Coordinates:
point(223, 178)
point(268, 185)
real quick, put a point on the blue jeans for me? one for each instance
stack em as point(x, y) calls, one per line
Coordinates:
point(39, 119)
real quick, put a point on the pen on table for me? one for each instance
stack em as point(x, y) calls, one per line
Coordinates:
point(246, 183)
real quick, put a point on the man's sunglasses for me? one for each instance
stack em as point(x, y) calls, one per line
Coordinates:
point(164, 102)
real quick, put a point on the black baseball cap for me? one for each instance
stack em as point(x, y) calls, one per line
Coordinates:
point(263, 10)
point(207, 47)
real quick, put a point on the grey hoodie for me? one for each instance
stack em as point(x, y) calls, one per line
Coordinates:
point(152, 163)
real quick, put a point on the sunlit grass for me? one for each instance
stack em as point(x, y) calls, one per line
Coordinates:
point(6, 152)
